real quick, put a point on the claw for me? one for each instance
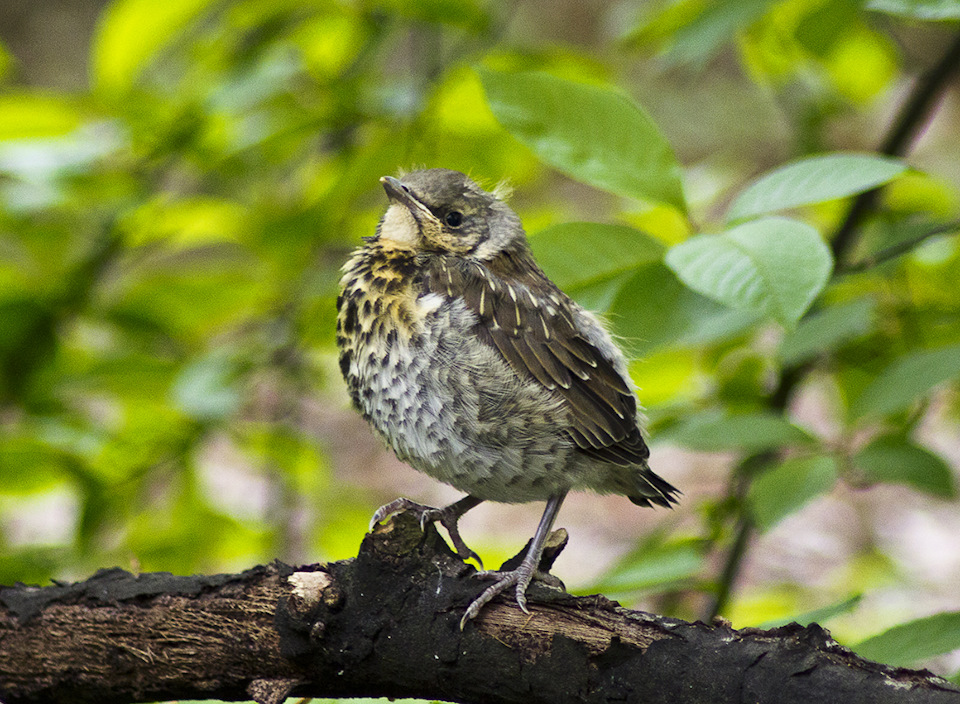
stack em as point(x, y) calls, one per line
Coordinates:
point(396, 506)
point(378, 516)
point(527, 571)
point(522, 601)
point(453, 531)
point(520, 578)
point(446, 516)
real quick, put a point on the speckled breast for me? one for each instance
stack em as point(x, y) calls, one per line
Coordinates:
point(446, 404)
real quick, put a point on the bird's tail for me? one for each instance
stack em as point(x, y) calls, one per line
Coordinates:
point(650, 489)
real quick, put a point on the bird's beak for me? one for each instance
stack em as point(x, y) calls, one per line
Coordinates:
point(398, 193)
point(394, 189)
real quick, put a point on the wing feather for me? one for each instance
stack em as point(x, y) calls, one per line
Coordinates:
point(533, 330)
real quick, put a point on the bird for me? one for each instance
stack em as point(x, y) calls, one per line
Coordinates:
point(476, 369)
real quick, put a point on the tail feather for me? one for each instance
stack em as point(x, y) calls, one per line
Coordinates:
point(652, 489)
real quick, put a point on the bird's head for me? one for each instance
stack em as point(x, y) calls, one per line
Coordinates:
point(443, 211)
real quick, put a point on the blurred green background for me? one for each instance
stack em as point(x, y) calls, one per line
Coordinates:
point(181, 181)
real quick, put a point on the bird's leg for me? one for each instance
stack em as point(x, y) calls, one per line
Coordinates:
point(526, 572)
point(448, 516)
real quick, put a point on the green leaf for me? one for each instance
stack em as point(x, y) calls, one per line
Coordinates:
point(192, 295)
point(581, 253)
point(773, 266)
point(29, 465)
point(653, 566)
point(593, 134)
point(131, 33)
point(748, 432)
point(185, 222)
point(653, 310)
point(820, 615)
point(34, 564)
point(715, 25)
point(284, 450)
point(896, 460)
point(32, 115)
point(827, 329)
point(788, 487)
point(130, 374)
point(918, 9)
point(911, 642)
point(599, 295)
point(907, 379)
point(813, 180)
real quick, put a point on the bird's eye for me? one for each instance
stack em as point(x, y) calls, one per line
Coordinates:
point(454, 218)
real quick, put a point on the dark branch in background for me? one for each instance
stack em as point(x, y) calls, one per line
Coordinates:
point(896, 250)
point(911, 118)
point(387, 624)
point(743, 530)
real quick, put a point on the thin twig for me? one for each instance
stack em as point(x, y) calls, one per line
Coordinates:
point(895, 250)
point(731, 566)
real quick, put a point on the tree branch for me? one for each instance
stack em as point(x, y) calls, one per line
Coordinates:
point(386, 624)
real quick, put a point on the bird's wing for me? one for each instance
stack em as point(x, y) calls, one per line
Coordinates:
point(536, 334)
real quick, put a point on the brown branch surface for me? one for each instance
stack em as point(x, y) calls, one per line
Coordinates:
point(387, 624)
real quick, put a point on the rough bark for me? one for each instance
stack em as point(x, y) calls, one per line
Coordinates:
point(387, 624)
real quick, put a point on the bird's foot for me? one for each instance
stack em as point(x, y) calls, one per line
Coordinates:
point(520, 578)
point(448, 516)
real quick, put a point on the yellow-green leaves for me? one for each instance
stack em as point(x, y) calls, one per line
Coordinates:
point(820, 615)
point(593, 134)
point(470, 14)
point(773, 266)
point(186, 222)
point(653, 310)
point(130, 34)
point(30, 115)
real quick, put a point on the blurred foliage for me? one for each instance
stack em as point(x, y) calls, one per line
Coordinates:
point(170, 240)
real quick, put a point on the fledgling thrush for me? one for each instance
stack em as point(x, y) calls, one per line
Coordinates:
point(477, 370)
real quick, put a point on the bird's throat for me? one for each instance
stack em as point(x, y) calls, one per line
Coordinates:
point(398, 228)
